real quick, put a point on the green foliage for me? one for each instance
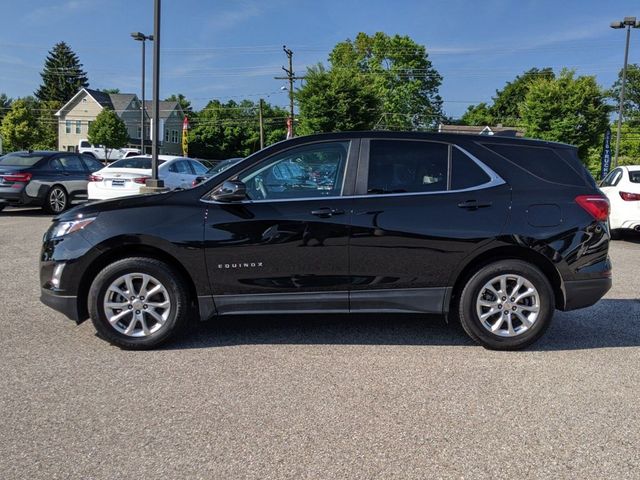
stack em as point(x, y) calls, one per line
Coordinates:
point(109, 130)
point(631, 93)
point(109, 90)
point(336, 100)
point(505, 108)
point(19, 127)
point(47, 124)
point(62, 75)
point(231, 129)
point(478, 115)
point(398, 71)
point(566, 109)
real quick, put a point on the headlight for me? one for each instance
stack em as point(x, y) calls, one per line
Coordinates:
point(65, 228)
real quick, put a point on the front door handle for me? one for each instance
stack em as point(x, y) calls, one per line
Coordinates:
point(326, 212)
point(474, 204)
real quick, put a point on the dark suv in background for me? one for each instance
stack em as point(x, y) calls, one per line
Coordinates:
point(496, 232)
point(51, 180)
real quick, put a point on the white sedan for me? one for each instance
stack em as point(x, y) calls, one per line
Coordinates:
point(125, 177)
point(622, 188)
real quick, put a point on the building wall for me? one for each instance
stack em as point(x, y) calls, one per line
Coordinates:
point(172, 124)
point(84, 110)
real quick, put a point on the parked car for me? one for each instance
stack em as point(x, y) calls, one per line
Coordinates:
point(51, 180)
point(216, 169)
point(126, 176)
point(622, 188)
point(494, 232)
point(109, 154)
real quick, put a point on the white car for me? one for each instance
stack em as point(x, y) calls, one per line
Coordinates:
point(126, 176)
point(622, 188)
point(98, 151)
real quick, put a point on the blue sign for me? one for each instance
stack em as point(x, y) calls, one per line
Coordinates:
point(606, 154)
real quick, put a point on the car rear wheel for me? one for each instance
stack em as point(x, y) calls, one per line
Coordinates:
point(506, 305)
point(56, 201)
point(138, 303)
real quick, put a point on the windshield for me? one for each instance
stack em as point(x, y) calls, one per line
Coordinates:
point(223, 165)
point(21, 159)
point(134, 162)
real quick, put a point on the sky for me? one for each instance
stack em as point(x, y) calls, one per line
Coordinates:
point(231, 50)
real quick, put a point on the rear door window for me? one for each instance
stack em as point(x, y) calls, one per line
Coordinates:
point(71, 163)
point(405, 166)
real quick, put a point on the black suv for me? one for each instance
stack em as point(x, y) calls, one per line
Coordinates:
point(496, 232)
point(51, 180)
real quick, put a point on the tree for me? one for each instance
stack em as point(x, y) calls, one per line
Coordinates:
point(19, 127)
point(478, 115)
point(336, 100)
point(108, 130)
point(505, 108)
point(62, 75)
point(225, 130)
point(631, 94)
point(400, 73)
point(566, 109)
point(109, 90)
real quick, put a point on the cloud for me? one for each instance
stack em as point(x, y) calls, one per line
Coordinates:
point(58, 10)
point(225, 19)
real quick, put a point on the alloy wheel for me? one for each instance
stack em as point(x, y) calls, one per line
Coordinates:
point(57, 200)
point(137, 304)
point(508, 305)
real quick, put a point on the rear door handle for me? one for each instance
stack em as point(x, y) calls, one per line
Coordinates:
point(326, 212)
point(474, 204)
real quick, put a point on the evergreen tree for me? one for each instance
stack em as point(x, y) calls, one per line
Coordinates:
point(62, 75)
point(5, 105)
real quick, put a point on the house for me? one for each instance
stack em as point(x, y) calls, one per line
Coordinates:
point(77, 114)
point(480, 130)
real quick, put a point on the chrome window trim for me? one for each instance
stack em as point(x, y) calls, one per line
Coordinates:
point(495, 180)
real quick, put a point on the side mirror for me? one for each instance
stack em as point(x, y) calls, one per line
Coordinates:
point(230, 191)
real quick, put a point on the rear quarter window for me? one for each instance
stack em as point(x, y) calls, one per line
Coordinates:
point(634, 176)
point(542, 162)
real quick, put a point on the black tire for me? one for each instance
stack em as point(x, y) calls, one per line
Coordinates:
point(178, 312)
point(615, 234)
point(470, 320)
point(56, 201)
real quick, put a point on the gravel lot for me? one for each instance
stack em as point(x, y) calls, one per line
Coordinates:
point(315, 397)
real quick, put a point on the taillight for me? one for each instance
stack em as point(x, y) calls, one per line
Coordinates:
point(596, 205)
point(195, 182)
point(141, 180)
point(18, 177)
point(630, 197)
point(95, 178)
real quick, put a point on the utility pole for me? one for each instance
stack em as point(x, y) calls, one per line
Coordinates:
point(291, 76)
point(261, 117)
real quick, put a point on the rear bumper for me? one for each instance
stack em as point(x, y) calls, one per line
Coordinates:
point(584, 293)
point(96, 192)
point(18, 197)
point(68, 305)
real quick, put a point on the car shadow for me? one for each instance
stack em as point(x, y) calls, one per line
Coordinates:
point(24, 212)
point(608, 324)
point(630, 236)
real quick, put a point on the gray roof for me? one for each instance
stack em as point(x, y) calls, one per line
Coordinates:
point(120, 101)
point(100, 97)
point(165, 108)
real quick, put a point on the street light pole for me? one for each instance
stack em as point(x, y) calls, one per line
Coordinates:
point(154, 181)
point(141, 37)
point(629, 23)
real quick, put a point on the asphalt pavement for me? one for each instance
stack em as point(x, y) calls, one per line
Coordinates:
point(315, 397)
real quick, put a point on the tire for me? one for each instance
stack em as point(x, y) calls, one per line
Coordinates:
point(145, 326)
point(615, 234)
point(56, 201)
point(523, 325)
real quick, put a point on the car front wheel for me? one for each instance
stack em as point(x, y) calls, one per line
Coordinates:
point(506, 305)
point(138, 303)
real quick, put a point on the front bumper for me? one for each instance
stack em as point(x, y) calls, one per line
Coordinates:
point(66, 304)
point(584, 293)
